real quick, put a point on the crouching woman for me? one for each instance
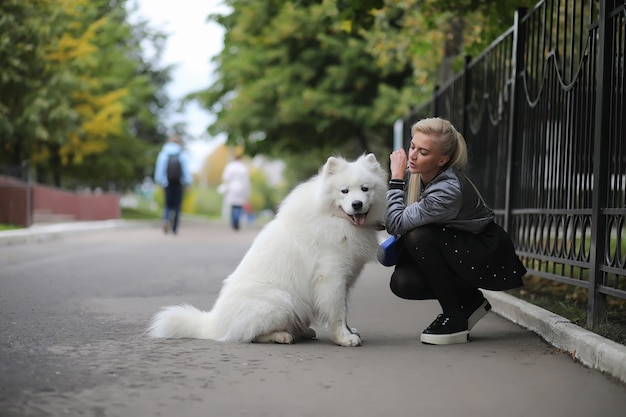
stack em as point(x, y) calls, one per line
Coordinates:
point(451, 246)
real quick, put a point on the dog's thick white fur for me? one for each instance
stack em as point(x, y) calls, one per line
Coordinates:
point(301, 266)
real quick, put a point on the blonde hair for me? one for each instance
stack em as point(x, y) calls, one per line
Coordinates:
point(452, 144)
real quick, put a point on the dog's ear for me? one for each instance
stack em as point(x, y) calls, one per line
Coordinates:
point(370, 161)
point(372, 164)
point(332, 165)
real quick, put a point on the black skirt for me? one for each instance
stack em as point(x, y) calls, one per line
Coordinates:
point(485, 260)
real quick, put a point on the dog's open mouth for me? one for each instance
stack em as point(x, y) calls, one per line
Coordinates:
point(358, 218)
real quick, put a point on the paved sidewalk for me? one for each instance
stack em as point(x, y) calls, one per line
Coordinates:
point(589, 348)
point(51, 231)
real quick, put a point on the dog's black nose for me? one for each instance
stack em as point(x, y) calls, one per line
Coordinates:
point(357, 205)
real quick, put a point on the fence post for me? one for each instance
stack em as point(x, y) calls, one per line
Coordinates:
point(435, 106)
point(29, 193)
point(517, 64)
point(398, 134)
point(596, 302)
point(467, 81)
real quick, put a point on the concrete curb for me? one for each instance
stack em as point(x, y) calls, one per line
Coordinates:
point(590, 349)
point(48, 232)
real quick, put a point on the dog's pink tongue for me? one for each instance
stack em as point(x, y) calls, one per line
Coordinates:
point(359, 219)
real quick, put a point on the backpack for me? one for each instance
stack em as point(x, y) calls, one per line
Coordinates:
point(174, 169)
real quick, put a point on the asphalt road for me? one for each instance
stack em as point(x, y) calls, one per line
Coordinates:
point(73, 312)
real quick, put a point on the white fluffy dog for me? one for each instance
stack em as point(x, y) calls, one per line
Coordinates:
point(301, 266)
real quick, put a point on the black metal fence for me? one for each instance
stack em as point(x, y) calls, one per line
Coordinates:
point(20, 172)
point(544, 114)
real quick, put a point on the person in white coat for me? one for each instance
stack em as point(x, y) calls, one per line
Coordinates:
point(236, 188)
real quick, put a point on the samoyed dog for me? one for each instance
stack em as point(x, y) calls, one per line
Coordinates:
point(301, 266)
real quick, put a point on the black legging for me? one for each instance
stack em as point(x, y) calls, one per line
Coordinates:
point(173, 201)
point(422, 273)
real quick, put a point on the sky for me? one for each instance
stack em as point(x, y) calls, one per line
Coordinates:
point(191, 45)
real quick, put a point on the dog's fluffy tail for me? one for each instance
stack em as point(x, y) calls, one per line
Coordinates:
point(182, 321)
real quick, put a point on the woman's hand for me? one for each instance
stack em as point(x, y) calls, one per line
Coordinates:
point(398, 164)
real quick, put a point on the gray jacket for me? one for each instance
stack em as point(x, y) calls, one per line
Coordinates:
point(450, 199)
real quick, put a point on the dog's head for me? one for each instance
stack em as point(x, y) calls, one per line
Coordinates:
point(356, 189)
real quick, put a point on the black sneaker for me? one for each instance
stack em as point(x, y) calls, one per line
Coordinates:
point(446, 331)
point(474, 314)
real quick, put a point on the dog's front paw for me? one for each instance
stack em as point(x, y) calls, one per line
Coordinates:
point(349, 340)
point(276, 337)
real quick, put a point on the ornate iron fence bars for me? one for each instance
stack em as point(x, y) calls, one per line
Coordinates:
point(543, 110)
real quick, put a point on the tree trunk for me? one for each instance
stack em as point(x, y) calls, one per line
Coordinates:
point(452, 49)
point(362, 143)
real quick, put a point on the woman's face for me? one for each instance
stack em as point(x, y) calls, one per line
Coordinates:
point(425, 156)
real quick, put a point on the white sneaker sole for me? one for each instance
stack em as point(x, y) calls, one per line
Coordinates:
point(478, 314)
point(445, 339)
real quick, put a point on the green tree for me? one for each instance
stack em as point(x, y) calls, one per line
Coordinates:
point(32, 102)
point(78, 98)
point(334, 75)
point(292, 77)
point(120, 65)
point(435, 36)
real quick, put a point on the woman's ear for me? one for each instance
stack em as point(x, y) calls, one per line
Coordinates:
point(443, 160)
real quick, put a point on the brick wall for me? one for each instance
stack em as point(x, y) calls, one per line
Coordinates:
point(19, 202)
point(15, 202)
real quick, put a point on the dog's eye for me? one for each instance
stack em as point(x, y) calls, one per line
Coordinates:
point(365, 189)
point(344, 191)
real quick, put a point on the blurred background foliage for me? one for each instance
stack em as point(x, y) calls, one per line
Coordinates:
point(334, 75)
point(79, 100)
point(82, 103)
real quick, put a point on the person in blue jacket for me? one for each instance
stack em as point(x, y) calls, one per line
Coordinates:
point(172, 172)
point(450, 245)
